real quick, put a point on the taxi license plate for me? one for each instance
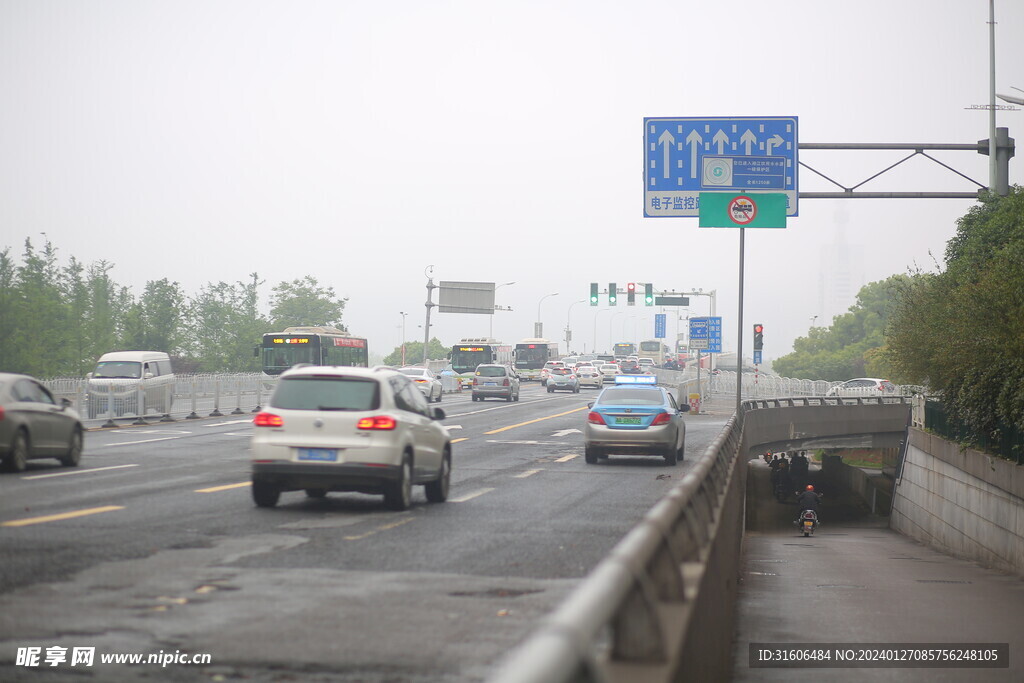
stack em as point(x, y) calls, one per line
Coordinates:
point(490, 384)
point(319, 454)
point(627, 420)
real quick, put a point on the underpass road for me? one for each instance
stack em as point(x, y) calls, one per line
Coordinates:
point(153, 544)
point(858, 582)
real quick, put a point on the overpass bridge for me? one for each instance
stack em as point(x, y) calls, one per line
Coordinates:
point(688, 595)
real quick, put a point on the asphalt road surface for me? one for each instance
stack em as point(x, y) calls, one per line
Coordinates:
point(153, 545)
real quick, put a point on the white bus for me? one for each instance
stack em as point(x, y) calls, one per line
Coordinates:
point(532, 354)
point(655, 350)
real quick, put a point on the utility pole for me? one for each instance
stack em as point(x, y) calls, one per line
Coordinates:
point(429, 271)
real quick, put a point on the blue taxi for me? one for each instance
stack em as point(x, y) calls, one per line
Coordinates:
point(635, 417)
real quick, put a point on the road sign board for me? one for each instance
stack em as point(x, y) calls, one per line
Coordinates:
point(686, 156)
point(731, 210)
point(671, 301)
point(659, 326)
point(706, 334)
point(757, 357)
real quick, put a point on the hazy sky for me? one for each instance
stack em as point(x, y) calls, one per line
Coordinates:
point(361, 142)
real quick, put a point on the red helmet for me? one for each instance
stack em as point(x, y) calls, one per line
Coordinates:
point(810, 488)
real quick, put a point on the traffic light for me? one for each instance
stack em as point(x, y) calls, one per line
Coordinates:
point(611, 294)
point(758, 336)
point(593, 293)
point(631, 294)
point(648, 294)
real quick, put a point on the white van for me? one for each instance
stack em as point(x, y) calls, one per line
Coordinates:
point(123, 378)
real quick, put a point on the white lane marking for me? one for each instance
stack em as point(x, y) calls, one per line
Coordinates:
point(529, 443)
point(129, 443)
point(451, 427)
point(527, 473)
point(88, 471)
point(505, 406)
point(136, 432)
point(563, 432)
point(470, 496)
point(229, 422)
point(567, 458)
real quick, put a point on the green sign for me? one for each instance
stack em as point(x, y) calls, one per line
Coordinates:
point(738, 210)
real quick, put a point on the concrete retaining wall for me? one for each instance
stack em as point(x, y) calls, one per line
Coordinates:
point(961, 502)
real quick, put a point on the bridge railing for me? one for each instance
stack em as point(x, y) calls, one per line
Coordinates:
point(661, 606)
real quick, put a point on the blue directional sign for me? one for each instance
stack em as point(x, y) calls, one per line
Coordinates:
point(706, 334)
point(659, 325)
point(686, 156)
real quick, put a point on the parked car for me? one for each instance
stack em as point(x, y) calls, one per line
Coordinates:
point(341, 428)
point(33, 424)
point(499, 381)
point(426, 381)
point(590, 377)
point(563, 379)
point(635, 417)
point(863, 386)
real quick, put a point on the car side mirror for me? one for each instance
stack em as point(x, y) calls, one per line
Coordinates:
point(685, 408)
point(437, 414)
point(590, 405)
point(65, 403)
point(148, 375)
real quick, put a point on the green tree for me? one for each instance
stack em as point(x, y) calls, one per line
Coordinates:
point(850, 346)
point(961, 331)
point(9, 355)
point(305, 303)
point(154, 323)
point(227, 325)
point(41, 333)
point(414, 353)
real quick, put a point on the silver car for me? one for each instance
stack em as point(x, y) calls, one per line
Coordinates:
point(563, 379)
point(349, 429)
point(426, 381)
point(635, 417)
point(499, 381)
point(33, 424)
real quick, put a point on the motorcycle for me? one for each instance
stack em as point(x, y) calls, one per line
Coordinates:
point(808, 522)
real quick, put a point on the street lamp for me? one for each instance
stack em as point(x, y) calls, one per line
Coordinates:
point(403, 314)
point(490, 329)
point(538, 327)
point(568, 316)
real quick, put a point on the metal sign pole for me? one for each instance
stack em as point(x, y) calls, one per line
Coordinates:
point(739, 335)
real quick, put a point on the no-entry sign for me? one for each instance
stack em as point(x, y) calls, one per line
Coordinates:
point(730, 210)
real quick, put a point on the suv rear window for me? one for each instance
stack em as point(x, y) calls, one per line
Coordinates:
point(326, 393)
point(561, 371)
point(491, 371)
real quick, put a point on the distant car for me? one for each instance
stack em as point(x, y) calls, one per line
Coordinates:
point(630, 367)
point(609, 371)
point(635, 417)
point(426, 381)
point(563, 379)
point(570, 361)
point(590, 377)
point(349, 429)
point(544, 371)
point(863, 386)
point(499, 381)
point(646, 363)
point(33, 424)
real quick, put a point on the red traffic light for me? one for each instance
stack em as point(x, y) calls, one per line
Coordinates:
point(758, 329)
point(631, 287)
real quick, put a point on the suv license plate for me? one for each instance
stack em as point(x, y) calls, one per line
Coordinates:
point(319, 454)
point(627, 420)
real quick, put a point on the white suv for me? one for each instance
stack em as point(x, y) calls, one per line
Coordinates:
point(349, 429)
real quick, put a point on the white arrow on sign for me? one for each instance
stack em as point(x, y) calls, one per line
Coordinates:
point(666, 139)
point(694, 140)
point(564, 432)
point(747, 140)
point(720, 139)
point(773, 142)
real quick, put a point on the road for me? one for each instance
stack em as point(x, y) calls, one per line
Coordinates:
point(167, 554)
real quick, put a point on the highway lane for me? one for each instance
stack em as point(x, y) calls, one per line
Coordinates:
point(174, 554)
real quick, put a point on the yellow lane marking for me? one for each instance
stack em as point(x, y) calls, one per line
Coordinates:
point(382, 528)
point(527, 473)
point(539, 419)
point(64, 515)
point(465, 438)
point(567, 458)
point(224, 488)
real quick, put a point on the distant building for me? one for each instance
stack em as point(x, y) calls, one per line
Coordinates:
point(840, 278)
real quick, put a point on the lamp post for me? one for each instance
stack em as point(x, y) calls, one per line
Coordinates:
point(490, 328)
point(568, 316)
point(403, 314)
point(538, 327)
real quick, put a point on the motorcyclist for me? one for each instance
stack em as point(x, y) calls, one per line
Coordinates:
point(808, 499)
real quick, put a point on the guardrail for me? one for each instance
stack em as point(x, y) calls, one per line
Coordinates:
point(661, 606)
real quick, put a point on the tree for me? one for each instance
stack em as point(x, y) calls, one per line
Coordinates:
point(226, 326)
point(961, 331)
point(305, 303)
point(851, 345)
point(414, 353)
point(154, 323)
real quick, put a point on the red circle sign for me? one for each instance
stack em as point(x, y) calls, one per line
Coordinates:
point(742, 210)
